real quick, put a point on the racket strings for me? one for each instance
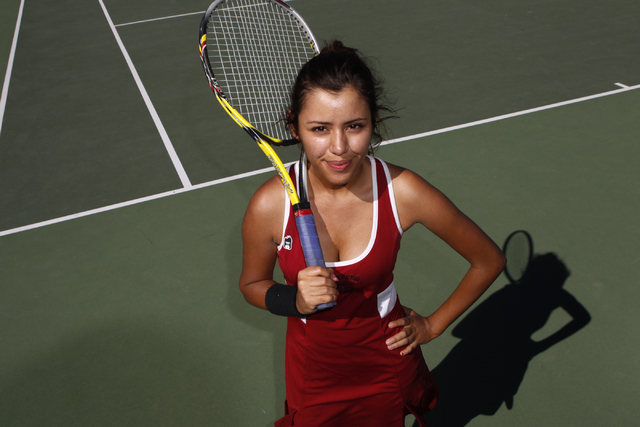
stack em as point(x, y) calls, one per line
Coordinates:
point(260, 49)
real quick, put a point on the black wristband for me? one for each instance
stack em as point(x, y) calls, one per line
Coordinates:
point(281, 300)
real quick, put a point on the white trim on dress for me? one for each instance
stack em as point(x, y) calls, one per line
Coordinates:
point(374, 226)
point(287, 204)
point(392, 197)
point(387, 300)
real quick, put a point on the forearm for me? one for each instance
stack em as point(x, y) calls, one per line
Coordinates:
point(254, 293)
point(474, 283)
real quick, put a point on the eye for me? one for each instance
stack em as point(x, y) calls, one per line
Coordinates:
point(318, 129)
point(356, 126)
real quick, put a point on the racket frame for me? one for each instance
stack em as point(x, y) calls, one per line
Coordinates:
point(302, 209)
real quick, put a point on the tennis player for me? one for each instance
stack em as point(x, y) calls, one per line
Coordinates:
point(359, 363)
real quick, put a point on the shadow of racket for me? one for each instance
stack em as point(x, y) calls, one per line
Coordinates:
point(518, 249)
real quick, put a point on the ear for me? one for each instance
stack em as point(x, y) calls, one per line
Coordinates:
point(292, 126)
point(294, 131)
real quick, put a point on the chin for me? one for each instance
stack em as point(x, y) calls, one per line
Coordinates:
point(340, 178)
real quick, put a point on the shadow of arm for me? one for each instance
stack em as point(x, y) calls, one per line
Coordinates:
point(580, 318)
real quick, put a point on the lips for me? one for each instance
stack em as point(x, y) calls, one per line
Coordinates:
point(340, 165)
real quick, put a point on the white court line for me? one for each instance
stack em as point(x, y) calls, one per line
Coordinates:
point(160, 19)
point(265, 170)
point(7, 76)
point(152, 110)
point(137, 201)
point(510, 115)
point(166, 17)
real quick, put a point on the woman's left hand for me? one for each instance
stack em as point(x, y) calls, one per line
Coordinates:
point(416, 330)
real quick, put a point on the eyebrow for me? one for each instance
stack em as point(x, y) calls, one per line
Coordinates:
point(328, 123)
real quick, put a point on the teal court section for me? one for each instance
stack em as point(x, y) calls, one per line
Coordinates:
point(132, 316)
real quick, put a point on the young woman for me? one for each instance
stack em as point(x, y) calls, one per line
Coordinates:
point(359, 363)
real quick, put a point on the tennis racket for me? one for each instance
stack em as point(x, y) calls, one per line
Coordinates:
point(252, 51)
point(518, 249)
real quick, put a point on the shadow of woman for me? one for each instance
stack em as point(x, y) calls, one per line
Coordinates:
point(487, 366)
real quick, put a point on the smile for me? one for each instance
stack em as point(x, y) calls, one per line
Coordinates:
point(339, 165)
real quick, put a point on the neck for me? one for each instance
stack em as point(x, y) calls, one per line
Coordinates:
point(359, 184)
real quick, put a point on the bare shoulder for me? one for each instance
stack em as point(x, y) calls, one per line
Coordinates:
point(405, 180)
point(417, 200)
point(408, 186)
point(265, 212)
point(267, 197)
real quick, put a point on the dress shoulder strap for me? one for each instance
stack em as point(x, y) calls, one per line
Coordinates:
point(383, 170)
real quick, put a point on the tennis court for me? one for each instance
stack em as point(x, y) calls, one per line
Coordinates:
point(123, 187)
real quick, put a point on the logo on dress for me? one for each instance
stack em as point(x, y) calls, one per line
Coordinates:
point(288, 242)
point(346, 283)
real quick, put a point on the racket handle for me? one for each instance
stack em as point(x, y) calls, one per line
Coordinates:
point(308, 235)
point(309, 240)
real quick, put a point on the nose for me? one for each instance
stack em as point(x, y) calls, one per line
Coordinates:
point(339, 143)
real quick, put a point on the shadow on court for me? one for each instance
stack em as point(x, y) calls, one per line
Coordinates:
point(488, 365)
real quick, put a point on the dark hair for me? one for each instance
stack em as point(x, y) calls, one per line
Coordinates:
point(335, 68)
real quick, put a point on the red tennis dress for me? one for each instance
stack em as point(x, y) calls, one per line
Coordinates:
point(339, 371)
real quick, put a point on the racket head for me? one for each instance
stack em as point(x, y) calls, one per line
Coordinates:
point(518, 249)
point(252, 51)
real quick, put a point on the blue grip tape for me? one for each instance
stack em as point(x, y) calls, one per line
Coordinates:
point(311, 246)
point(309, 240)
point(326, 305)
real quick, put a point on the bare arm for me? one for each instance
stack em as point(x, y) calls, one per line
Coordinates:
point(261, 233)
point(419, 202)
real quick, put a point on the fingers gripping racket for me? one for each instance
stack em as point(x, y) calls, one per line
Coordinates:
point(251, 51)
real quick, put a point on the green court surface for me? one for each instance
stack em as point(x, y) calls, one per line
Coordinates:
point(118, 276)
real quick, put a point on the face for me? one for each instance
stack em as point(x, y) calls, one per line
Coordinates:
point(335, 131)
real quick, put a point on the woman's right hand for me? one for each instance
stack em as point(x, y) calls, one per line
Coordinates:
point(316, 285)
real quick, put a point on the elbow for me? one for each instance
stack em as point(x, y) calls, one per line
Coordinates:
point(246, 291)
point(243, 286)
point(495, 263)
point(254, 292)
point(501, 261)
point(490, 261)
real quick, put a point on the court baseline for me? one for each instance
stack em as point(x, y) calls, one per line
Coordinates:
point(270, 169)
